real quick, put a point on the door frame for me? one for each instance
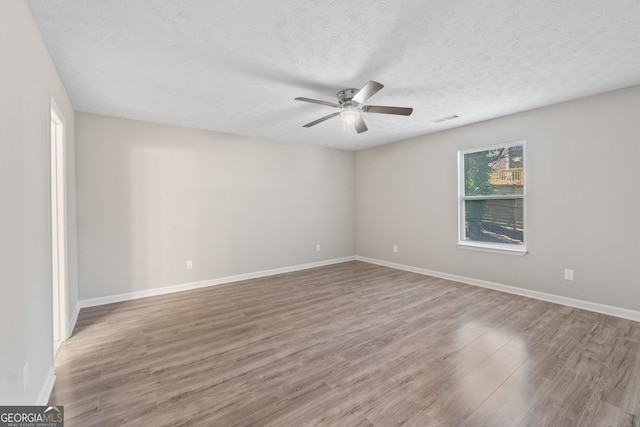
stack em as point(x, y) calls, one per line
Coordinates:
point(59, 285)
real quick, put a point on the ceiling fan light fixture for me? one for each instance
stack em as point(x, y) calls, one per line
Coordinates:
point(349, 115)
point(351, 104)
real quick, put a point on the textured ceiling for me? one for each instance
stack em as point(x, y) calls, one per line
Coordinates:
point(236, 66)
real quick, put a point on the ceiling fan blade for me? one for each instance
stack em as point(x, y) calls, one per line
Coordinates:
point(320, 120)
point(400, 111)
point(367, 91)
point(360, 126)
point(317, 101)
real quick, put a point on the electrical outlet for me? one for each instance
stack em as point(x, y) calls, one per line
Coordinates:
point(395, 249)
point(189, 264)
point(568, 274)
point(318, 247)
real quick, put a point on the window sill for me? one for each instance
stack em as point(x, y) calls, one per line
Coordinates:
point(495, 248)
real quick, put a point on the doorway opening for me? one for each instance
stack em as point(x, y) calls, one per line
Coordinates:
point(58, 228)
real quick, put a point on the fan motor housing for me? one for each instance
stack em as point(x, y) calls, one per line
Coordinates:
point(345, 95)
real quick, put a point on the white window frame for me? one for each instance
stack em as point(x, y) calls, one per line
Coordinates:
point(505, 248)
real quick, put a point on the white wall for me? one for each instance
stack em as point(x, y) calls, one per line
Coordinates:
point(151, 197)
point(583, 203)
point(27, 81)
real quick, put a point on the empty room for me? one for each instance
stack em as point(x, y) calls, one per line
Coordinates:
point(356, 213)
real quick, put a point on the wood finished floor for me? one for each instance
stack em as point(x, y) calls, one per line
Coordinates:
point(352, 344)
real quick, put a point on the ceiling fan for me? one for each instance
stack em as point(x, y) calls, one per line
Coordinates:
point(350, 104)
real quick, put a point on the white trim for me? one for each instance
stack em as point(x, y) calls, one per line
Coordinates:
point(494, 247)
point(610, 310)
point(91, 302)
point(74, 318)
point(492, 146)
point(58, 214)
point(495, 197)
point(47, 388)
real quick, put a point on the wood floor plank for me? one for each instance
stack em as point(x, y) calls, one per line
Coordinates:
point(352, 344)
point(469, 391)
point(605, 414)
point(624, 390)
point(508, 405)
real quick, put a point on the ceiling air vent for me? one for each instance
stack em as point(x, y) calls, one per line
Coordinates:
point(445, 118)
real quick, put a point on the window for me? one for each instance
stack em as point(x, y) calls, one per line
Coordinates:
point(491, 192)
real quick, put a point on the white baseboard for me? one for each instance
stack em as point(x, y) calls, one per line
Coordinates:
point(72, 321)
point(91, 302)
point(571, 302)
point(47, 387)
